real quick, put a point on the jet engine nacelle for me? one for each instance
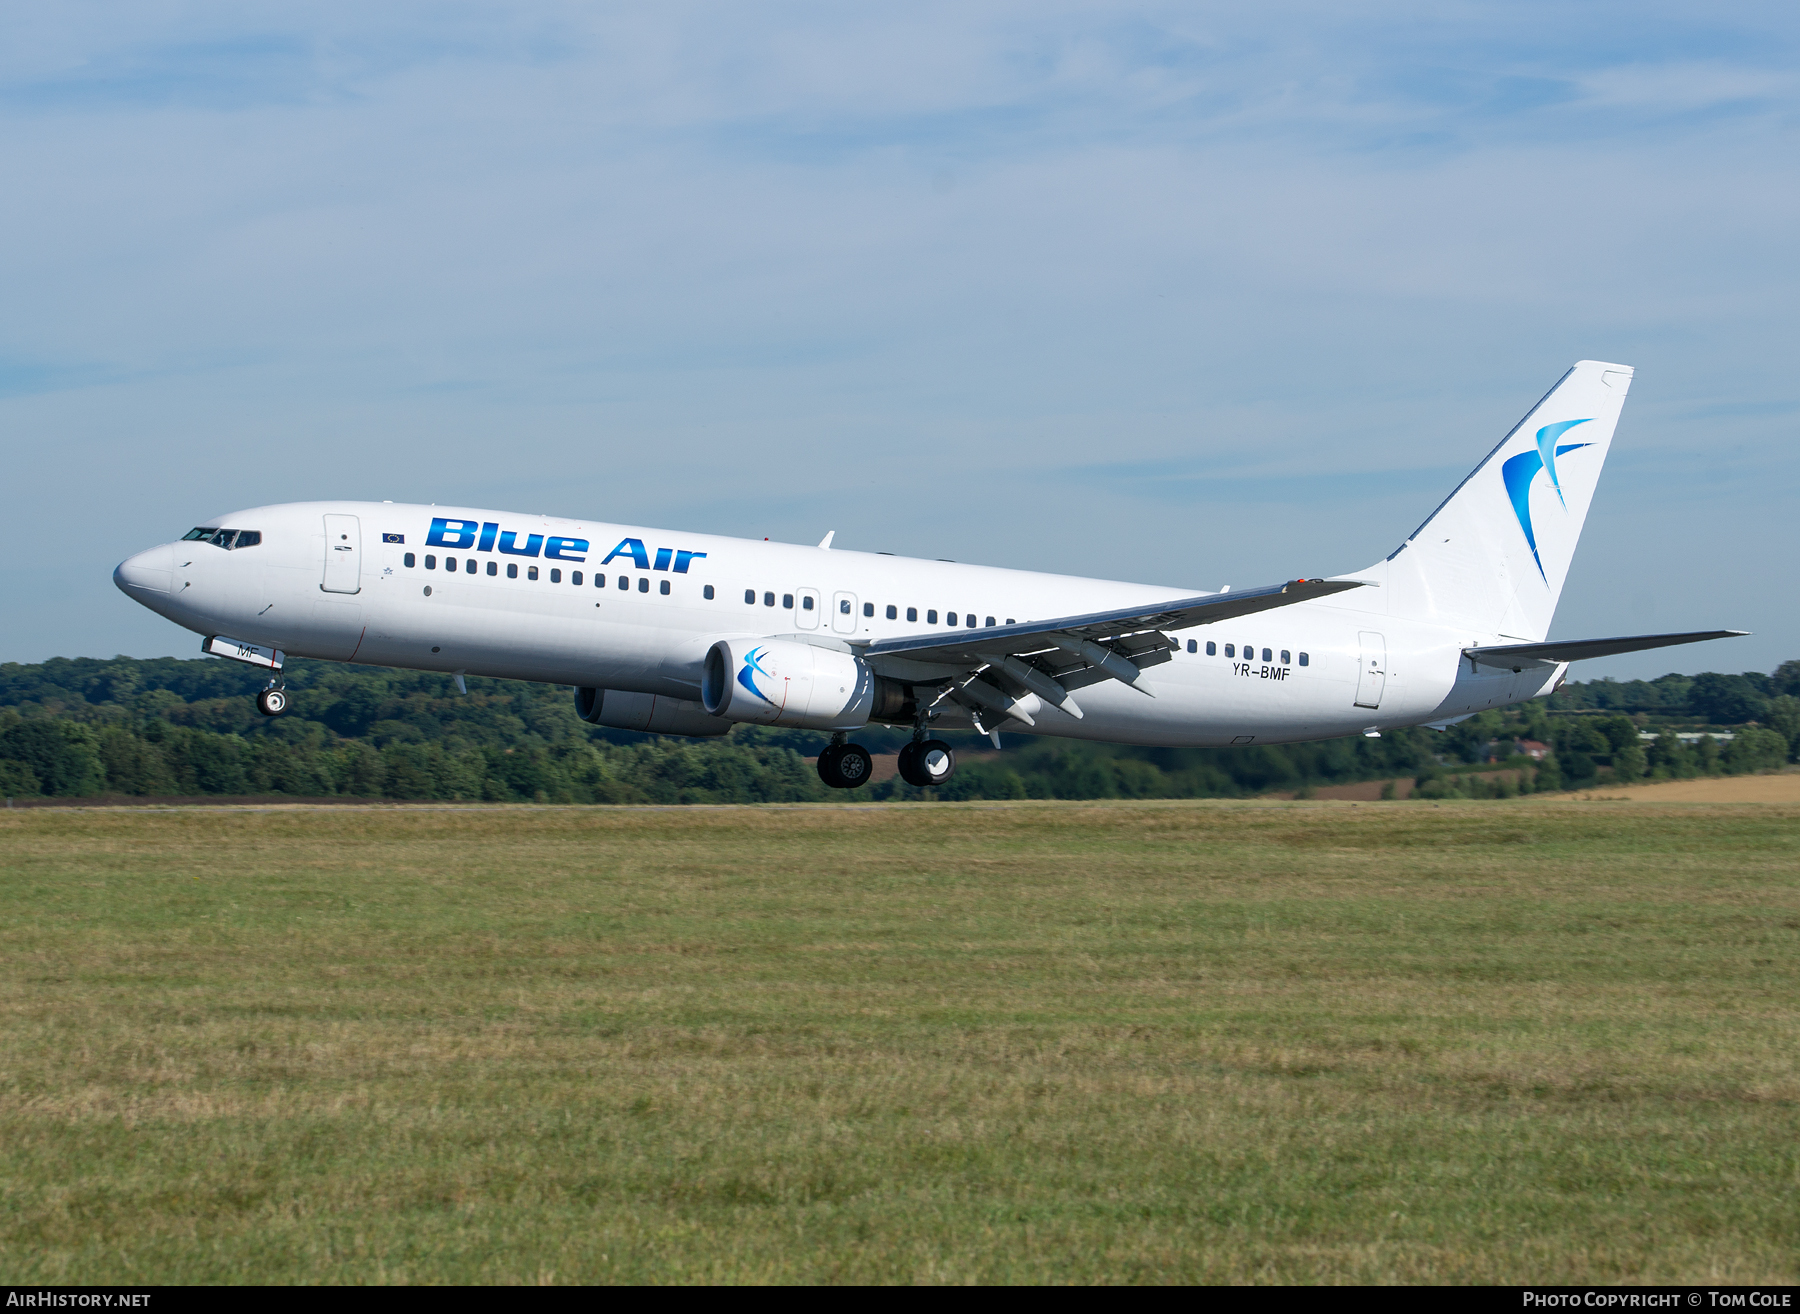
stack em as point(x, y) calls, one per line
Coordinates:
point(780, 682)
point(649, 713)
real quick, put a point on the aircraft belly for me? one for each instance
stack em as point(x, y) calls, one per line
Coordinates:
point(1203, 706)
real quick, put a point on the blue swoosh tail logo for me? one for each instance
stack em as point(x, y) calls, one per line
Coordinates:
point(1548, 451)
point(1518, 472)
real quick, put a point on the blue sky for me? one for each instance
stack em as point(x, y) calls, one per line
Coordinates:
point(1155, 292)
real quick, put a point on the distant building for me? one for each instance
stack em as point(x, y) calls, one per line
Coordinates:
point(1531, 748)
point(1690, 738)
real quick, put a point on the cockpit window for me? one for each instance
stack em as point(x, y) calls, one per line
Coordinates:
point(225, 538)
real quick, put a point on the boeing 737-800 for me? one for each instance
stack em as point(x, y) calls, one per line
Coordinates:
point(689, 634)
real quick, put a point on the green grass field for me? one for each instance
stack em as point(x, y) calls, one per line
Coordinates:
point(1310, 1042)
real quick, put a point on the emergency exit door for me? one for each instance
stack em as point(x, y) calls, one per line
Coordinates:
point(343, 555)
point(1372, 679)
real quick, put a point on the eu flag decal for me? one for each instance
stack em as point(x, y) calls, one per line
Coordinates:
point(393, 538)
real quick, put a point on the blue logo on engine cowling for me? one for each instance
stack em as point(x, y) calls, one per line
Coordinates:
point(1519, 471)
point(753, 663)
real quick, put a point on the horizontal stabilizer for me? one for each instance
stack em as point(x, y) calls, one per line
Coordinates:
point(1522, 656)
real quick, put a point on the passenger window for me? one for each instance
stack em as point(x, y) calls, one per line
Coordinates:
point(1268, 656)
point(450, 564)
point(430, 562)
point(643, 584)
point(574, 577)
point(665, 588)
point(410, 560)
point(931, 618)
point(970, 620)
point(768, 599)
point(512, 570)
point(472, 566)
point(949, 618)
point(493, 569)
point(1285, 659)
point(843, 606)
point(787, 601)
point(912, 614)
point(1011, 621)
point(869, 610)
point(1304, 661)
point(707, 592)
point(624, 583)
point(1193, 646)
point(990, 620)
point(806, 603)
point(1212, 649)
point(531, 572)
point(749, 597)
point(555, 575)
point(1230, 651)
point(893, 612)
point(599, 581)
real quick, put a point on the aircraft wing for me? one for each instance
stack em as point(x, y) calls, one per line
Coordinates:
point(989, 672)
point(968, 647)
point(1540, 656)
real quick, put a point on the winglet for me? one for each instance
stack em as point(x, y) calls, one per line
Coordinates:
point(826, 541)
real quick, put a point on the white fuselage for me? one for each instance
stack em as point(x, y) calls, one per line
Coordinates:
point(603, 613)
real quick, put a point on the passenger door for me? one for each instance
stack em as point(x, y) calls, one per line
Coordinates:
point(343, 555)
point(843, 613)
point(1371, 680)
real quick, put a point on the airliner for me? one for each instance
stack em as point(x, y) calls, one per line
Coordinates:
point(680, 633)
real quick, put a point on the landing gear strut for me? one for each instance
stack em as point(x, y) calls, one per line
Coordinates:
point(272, 701)
point(844, 765)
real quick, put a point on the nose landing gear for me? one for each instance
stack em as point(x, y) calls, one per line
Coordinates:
point(272, 701)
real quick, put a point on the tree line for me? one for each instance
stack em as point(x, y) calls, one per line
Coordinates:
point(163, 727)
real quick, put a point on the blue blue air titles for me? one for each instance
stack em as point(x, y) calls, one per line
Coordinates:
point(449, 532)
point(634, 548)
point(479, 536)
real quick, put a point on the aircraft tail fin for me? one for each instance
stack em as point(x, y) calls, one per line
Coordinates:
point(1493, 556)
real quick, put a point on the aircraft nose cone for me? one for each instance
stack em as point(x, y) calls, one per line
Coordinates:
point(147, 572)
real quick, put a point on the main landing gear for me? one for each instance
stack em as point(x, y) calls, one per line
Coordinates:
point(845, 766)
point(272, 701)
point(927, 763)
